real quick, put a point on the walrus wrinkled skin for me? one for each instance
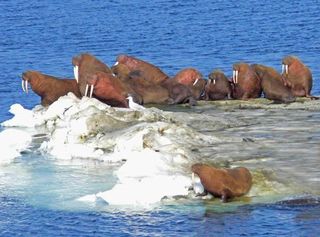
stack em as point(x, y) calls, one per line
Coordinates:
point(85, 66)
point(149, 92)
point(49, 88)
point(218, 86)
point(193, 79)
point(109, 89)
point(297, 76)
point(224, 183)
point(246, 83)
point(272, 84)
point(147, 70)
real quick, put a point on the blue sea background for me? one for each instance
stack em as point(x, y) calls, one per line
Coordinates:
point(44, 36)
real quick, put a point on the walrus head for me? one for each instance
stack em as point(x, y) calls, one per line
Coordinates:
point(75, 62)
point(287, 61)
point(28, 77)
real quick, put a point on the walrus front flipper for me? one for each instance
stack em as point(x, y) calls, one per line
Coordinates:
point(226, 194)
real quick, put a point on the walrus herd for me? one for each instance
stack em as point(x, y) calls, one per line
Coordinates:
point(148, 84)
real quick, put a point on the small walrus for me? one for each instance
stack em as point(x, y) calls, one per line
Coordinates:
point(224, 183)
point(49, 88)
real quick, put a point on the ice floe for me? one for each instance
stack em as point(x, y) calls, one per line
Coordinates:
point(152, 148)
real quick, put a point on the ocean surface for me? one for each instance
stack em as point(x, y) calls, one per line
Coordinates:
point(40, 190)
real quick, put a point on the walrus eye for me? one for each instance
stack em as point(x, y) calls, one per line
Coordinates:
point(76, 73)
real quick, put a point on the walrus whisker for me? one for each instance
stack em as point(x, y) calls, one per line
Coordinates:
point(195, 82)
point(91, 90)
point(22, 85)
point(86, 90)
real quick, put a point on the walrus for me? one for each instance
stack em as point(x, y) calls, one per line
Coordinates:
point(49, 88)
point(218, 86)
point(178, 93)
point(246, 83)
point(150, 92)
point(109, 89)
point(85, 65)
point(224, 183)
point(297, 76)
point(147, 70)
point(272, 84)
point(193, 79)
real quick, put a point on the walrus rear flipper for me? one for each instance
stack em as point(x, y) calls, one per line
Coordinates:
point(192, 101)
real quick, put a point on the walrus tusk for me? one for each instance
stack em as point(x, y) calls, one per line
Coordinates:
point(234, 76)
point(195, 82)
point(214, 81)
point(86, 91)
point(282, 68)
point(285, 68)
point(116, 63)
point(26, 86)
point(76, 73)
point(91, 91)
point(192, 178)
point(237, 74)
point(22, 85)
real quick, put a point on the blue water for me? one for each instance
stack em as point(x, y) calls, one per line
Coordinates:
point(42, 35)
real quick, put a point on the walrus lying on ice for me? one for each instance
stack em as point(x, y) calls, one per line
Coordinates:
point(49, 88)
point(224, 183)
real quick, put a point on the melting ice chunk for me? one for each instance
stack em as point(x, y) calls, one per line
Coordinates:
point(13, 141)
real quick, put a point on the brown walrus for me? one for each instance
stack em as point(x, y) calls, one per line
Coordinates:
point(147, 70)
point(272, 84)
point(150, 92)
point(193, 79)
point(86, 65)
point(224, 183)
point(218, 86)
point(179, 93)
point(49, 88)
point(297, 76)
point(109, 89)
point(246, 83)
